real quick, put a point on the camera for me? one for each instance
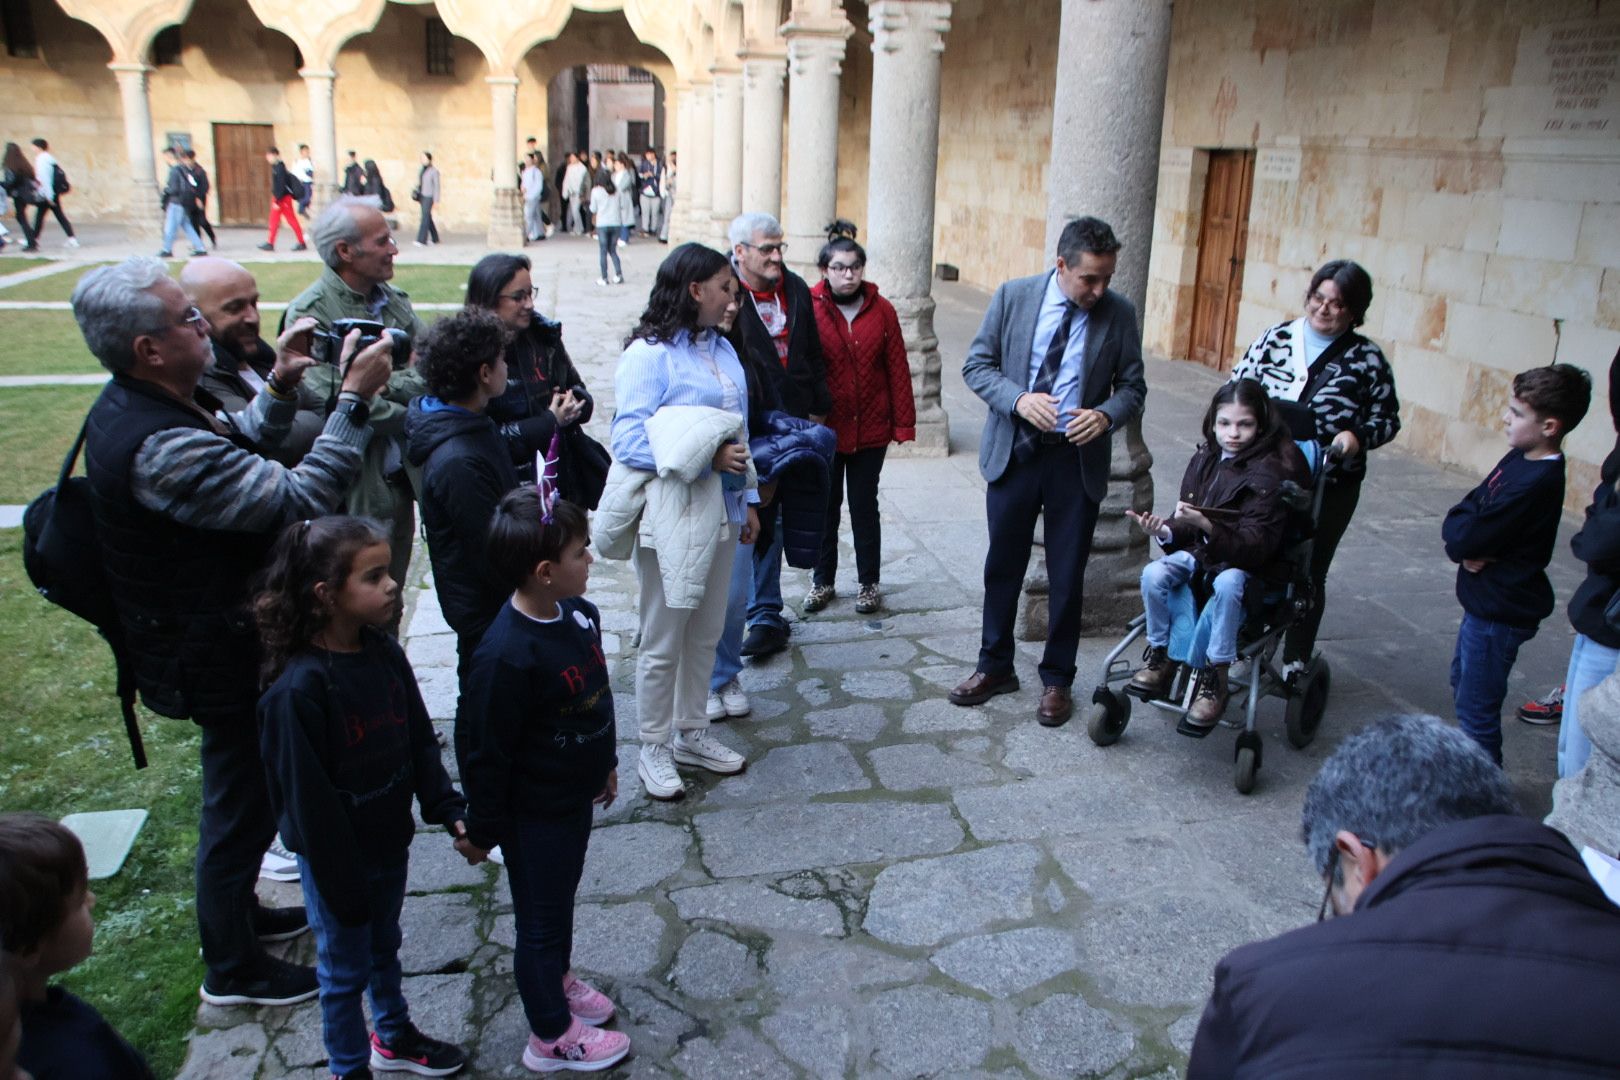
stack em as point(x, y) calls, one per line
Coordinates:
point(327, 345)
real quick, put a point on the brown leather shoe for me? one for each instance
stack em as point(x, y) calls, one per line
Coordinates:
point(979, 688)
point(1209, 699)
point(1154, 677)
point(1056, 706)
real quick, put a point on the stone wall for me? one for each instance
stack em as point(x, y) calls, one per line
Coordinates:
point(1467, 153)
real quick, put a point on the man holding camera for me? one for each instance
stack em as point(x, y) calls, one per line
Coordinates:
point(354, 241)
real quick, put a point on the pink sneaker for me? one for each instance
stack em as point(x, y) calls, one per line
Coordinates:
point(579, 1049)
point(588, 1004)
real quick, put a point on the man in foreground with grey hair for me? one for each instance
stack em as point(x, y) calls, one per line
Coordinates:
point(185, 508)
point(1468, 940)
point(354, 241)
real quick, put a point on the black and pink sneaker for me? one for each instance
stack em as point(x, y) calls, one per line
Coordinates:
point(414, 1052)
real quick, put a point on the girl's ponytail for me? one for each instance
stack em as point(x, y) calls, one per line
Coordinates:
point(306, 553)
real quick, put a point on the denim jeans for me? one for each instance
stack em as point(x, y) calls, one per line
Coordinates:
point(352, 959)
point(1589, 664)
point(728, 653)
point(1225, 605)
point(544, 861)
point(175, 219)
point(1479, 674)
point(765, 605)
point(606, 246)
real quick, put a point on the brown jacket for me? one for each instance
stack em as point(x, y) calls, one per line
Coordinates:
point(1246, 485)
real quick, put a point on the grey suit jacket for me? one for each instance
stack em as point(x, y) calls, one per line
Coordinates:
point(997, 369)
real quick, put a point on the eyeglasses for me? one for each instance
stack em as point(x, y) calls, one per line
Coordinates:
point(1323, 302)
point(522, 295)
point(845, 268)
point(193, 318)
point(768, 250)
point(1332, 870)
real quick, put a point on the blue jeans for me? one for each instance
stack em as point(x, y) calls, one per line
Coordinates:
point(544, 861)
point(1225, 606)
point(1479, 674)
point(1589, 664)
point(765, 605)
point(350, 959)
point(605, 246)
point(175, 218)
point(728, 653)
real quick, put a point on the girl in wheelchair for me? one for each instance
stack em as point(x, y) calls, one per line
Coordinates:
point(1228, 525)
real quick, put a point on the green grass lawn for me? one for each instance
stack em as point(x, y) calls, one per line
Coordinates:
point(37, 426)
point(9, 265)
point(278, 281)
point(43, 343)
point(64, 751)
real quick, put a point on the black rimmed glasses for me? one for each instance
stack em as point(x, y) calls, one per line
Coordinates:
point(845, 269)
point(1332, 869)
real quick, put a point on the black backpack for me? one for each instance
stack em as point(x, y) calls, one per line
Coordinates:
point(62, 556)
point(295, 186)
point(62, 185)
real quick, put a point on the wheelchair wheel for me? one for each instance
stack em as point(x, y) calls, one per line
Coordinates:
point(1308, 702)
point(1245, 761)
point(1107, 716)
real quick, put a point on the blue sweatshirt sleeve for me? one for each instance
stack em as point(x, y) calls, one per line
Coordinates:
point(1501, 509)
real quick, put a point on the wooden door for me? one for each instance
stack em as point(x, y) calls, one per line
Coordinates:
point(1222, 242)
point(241, 177)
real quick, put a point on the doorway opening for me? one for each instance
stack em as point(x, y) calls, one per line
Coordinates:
point(1223, 238)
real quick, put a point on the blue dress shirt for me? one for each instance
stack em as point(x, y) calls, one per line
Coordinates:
point(1070, 371)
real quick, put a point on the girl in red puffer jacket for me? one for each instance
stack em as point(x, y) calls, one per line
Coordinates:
point(870, 381)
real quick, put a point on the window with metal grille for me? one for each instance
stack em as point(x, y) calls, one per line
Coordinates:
point(441, 49)
point(18, 19)
point(166, 47)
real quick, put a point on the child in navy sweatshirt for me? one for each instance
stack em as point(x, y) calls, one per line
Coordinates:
point(537, 726)
point(347, 745)
point(1502, 536)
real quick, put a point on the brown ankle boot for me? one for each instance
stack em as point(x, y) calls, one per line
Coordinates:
point(1209, 700)
point(1154, 677)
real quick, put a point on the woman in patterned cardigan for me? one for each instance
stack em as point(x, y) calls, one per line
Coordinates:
point(1343, 392)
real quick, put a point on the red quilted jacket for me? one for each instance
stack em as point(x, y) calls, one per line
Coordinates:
point(866, 371)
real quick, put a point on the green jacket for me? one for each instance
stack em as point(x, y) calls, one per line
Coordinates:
point(328, 300)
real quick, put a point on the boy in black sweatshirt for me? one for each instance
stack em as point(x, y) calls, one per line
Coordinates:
point(1502, 536)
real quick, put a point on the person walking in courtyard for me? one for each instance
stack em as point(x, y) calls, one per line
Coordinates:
point(304, 169)
point(605, 212)
point(870, 382)
point(17, 176)
point(354, 177)
point(1336, 385)
point(624, 189)
point(533, 185)
point(284, 191)
point(427, 193)
point(668, 201)
point(573, 185)
point(375, 187)
point(51, 183)
point(650, 181)
point(176, 202)
point(199, 196)
point(1058, 359)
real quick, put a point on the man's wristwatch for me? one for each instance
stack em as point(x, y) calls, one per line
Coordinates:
point(356, 409)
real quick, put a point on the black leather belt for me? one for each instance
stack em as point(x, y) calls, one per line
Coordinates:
point(1051, 438)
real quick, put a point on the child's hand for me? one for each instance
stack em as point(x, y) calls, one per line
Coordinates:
point(1186, 512)
point(1152, 524)
point(1474, 566)
point(465, 847)
point(610, 791)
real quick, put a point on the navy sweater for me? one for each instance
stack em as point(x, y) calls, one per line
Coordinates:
point(1512, 520)
point(537, 720)
point(65, 1039)
point(347, 743)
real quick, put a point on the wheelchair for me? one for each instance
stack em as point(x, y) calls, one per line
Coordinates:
point(1269, 611)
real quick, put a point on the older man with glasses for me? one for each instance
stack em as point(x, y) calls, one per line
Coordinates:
point(1467, 941)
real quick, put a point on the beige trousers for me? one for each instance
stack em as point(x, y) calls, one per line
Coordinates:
point(677, 644)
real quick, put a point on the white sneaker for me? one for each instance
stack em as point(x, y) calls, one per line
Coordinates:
point(278, 863)
point(714, 708)
point(656, 767)
point(698, 747)
point(617, 280)
point(734, 699)
point(601, 281)
point(73, 241)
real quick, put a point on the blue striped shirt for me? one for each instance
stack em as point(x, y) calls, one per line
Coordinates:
point(677, 372)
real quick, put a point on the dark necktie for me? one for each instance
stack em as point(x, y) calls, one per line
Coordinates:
point(1025, 436)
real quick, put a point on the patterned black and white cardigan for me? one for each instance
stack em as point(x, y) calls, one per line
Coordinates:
point(1358, 395)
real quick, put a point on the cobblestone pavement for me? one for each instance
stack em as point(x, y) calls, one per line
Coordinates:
point(897, 887)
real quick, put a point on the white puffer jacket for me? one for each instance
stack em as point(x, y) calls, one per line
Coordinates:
point(679, 510)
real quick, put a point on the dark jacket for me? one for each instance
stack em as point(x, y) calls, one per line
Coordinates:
point(280, 181)
point(1511, 520)
point(802, 383)
point(868, 374)
point(65, 1039)
point(1247, 485)
point(354, 179)
point(1483, 950)
point(537, 363)
point(466, 468)
point(177, 189)
point(797, 456)
point(1598, 543)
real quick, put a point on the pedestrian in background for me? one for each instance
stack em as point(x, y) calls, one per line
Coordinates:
point(51, 183)
point(426, 194)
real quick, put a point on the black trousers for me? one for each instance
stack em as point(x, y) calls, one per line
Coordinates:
point(1049, 480)
point(29, 237)
point(236, 827)
point(1338, 507)
point(199, 221)
point(427, 230)
point(544, 862)
point(55, 207)
point(860, 471)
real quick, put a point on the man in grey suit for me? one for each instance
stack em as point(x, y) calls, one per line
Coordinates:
point(1059, 361)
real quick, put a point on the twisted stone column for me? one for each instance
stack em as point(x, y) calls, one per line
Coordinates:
point(726, 194)
point(908, 37)
point(762, 133)
point(322, 135)
point(506, 206)
point(815, 66)
point(145, 217)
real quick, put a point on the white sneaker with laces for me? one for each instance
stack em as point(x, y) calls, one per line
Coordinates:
point(656, 767)
point(697, 747)
point(734, 699)
point(72, 241)
point(278, 864)
point(714, 708)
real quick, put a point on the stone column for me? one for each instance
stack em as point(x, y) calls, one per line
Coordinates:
point(506, 206)
point(762, 133)
point(728, 115)
point(908, 37)
point(322, 135)
point(145, 219)
point(1108, 166)
point(694, 182)
point(815, 65)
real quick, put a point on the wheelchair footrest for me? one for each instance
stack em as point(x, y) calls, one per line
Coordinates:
point(1194, 731)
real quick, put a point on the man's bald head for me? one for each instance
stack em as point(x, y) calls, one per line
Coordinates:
point(228, 297)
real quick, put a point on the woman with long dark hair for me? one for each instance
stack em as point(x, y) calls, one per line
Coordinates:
point(675, 359)
point(18, 180)
point(374, 186)
point(544, 392)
